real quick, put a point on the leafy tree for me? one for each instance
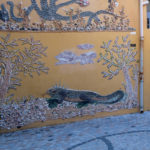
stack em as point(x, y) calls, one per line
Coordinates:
point(16, 56)
point(121, 57)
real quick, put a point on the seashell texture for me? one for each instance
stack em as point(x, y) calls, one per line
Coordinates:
point(14, 17)
point(68, 57)
point(85, 46)
point(83, 3)
point(16, 115)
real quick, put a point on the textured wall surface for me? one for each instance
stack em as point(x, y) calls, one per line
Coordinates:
point(64, 16)
point(88, 72)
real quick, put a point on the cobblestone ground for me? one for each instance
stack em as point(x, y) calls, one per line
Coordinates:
point(127, 132)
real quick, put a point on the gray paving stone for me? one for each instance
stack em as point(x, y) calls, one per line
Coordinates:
point(127, 132)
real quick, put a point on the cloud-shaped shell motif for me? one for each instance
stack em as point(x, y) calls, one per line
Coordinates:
point(85, 46)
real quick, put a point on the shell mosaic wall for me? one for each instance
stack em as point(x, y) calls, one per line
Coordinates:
point(63, 16)
point(65, 75)
point(62, 102)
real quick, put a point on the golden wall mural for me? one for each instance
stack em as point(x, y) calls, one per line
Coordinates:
point(63, 16)
point(66, 59)
point(24, 55)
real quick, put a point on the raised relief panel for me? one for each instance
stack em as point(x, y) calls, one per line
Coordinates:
point(75, 18)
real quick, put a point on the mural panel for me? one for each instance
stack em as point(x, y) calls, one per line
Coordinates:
point(24, 55)
point(56, 16)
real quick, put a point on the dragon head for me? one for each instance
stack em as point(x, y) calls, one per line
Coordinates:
point(55, 91)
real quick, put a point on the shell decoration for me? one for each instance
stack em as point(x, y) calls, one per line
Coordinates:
point(83, 3)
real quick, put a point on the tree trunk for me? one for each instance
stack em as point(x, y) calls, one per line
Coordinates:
point(129, 88)
point(5, 80)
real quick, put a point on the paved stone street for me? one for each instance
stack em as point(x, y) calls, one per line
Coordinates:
point(127, 132)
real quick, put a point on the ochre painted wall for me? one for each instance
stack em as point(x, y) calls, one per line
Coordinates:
point(82, 77)
point(72, 76)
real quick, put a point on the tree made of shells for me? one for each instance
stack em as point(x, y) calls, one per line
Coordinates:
point(19, 56)
point(121, 57)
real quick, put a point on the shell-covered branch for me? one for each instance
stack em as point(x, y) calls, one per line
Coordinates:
point(117, 56)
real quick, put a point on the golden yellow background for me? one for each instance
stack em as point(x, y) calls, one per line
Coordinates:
point(83, 77)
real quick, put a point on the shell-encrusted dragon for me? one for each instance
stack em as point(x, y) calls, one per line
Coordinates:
point(82, 97)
